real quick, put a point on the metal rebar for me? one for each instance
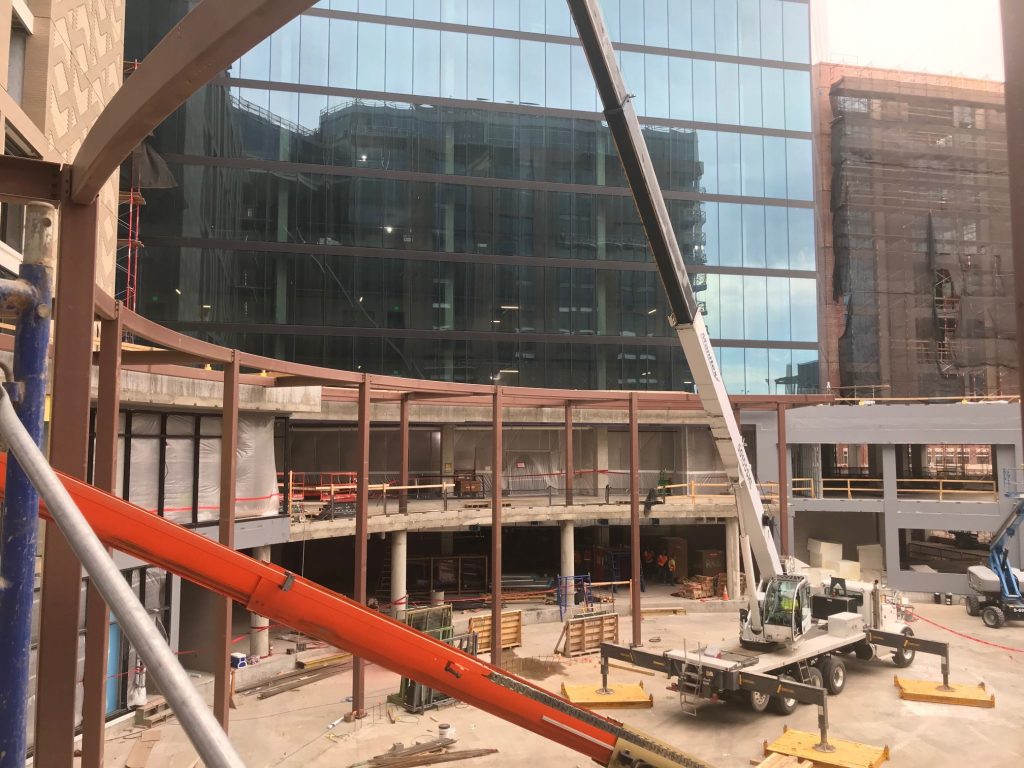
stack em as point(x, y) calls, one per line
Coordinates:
point(202, 729)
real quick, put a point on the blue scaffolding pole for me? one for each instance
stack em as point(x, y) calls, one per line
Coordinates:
point(30, 295)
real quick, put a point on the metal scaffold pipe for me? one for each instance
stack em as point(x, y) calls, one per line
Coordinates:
point(206, 735)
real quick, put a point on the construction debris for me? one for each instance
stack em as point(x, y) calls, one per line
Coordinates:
point(139, 755)
point(153, 711)
point(297, 679)
point(846, 754)
point(936, 693)
point(775, 760)
point(426, 753)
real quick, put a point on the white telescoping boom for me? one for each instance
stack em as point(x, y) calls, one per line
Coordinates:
point(686, 317)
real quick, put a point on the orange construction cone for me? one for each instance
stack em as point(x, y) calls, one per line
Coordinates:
point(725, 592)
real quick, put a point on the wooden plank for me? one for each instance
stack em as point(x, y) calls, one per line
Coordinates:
point(620, 696)
point(584, 634)
point(932, 692)
point(324, 660)
point(291, 685)
point(141, 750)
point(511, 630)
point(847, 754)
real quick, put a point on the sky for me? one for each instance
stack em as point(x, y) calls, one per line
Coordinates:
point(946, 37)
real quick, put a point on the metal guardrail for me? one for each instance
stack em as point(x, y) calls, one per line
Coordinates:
point(196, 718)
point(946, 489)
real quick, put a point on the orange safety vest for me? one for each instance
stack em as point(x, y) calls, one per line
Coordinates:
point(662, 560)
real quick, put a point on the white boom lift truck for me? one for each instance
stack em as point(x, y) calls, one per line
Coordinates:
point(796, 635)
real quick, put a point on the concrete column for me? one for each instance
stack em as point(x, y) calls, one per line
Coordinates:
point(889, 474)
point(568, 538)
point(732, 557)
point(600, 460)
point(259, 626)
point(399, 553)
point(447, 450)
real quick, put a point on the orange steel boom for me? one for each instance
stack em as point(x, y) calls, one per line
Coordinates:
point(273, 592)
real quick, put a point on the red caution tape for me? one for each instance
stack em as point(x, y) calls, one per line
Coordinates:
point(969, 637)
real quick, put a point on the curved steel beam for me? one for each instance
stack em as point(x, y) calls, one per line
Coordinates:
point(210, 37)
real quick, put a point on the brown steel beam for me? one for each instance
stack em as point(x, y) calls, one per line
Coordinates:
point(403, 449)
point(104, 477)
point(1013, 56)
point(69, 440)
point(570, 467)
point(362, 514)
point(23, 180)
point(157, 334)
point(497, 459)
point(226, 536)
point(783, 481)
point(203, 44)
point(130, 358)
point(634, 517)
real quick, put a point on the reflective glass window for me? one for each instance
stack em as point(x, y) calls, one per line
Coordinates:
point(798, 100)
point(480, 73)
point(371, 66)
point(344, 46)
point(584, 93)
point(610, 10)
point(727, 88)
point(284, 53)
point(378, 7)
point(731, 298)
point(711, 249)
point(454, 11)
point(310, 107)
point(771, 29)
point(284, 105)
point(804, 309)
point(755, 308)
point(405, 9)
point(776, 228)
point(631, 23)
point(707, 151)
point(730, 228)
point(680, 88)
point(799, 172)
point(531, 73)
point(704, 92)
point(750, 28)
point(453, 65)
point(558, 21)
point(775, 167)
point(712, 306)
point(506, 14)
point(774, 99)
point(506, 70)
point(481, 12)
point(778, 309)
point(255, 63)
point(656, 86)
point(703, 25)
point(532, 15)
point(633, 74)
point(729, 164)
point(753, 236)
point(427, 61)
point(752, 162)
point(679, 25)
point(780, 366)
point(733, 369)
point(801, 238)
point(725, 26)
point(656, 23)
point(756, 360)
point(428, 10)
point(796, 36)
point(558, 84)
point(750, 95)
point(399, 59)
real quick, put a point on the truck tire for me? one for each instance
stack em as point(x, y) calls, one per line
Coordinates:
point(815, 678)
point(993, 616)
point(972, 605)
point(865, 651)
point(783, 704)
point(904, 657)
point(759, 701)
point(833, 670)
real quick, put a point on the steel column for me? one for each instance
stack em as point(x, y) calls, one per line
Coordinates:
point(1013, 56)
point(783, 481)
point(226, 536)
point(496, 499)
point(362, 513)
point(69, 452)
point(104, 476)
point(634, 516)
point(403, 474)
point(20, 520)
point(570, 468)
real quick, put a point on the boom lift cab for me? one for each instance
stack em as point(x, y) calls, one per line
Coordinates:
point(997, 587)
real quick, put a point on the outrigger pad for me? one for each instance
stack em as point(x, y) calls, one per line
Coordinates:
point(927, 690)
point(846, 754)
point(621, 696)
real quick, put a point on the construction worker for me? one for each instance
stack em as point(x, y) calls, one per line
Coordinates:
point(663, 568)
point(648, 563)
point(671, 571)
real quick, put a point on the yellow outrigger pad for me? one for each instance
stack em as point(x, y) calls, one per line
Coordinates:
point(848, 754)
point(621, 696)
point(927, 690)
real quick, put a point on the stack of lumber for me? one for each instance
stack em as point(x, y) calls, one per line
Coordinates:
point(722, 581)
point(426, 753)
point(696, 588)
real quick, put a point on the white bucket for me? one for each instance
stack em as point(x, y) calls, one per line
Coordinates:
point(445, 731)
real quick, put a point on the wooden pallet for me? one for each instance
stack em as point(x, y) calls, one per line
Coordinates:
point(620, 696)
point(511, 630)
point(775, 760)
point(847, 754)
point(934, 693)
point(584, 634)
point(153, 711)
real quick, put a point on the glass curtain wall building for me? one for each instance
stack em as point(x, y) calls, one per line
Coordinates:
point(426, 188)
